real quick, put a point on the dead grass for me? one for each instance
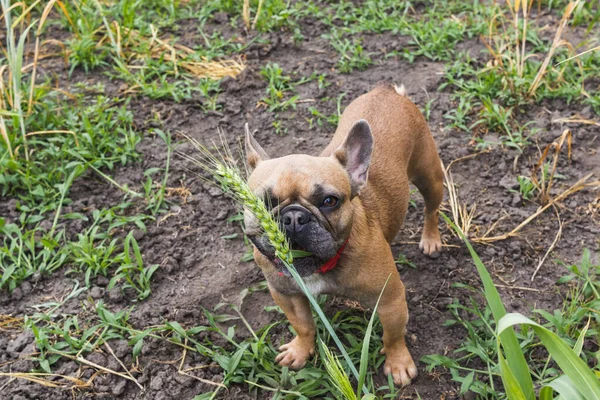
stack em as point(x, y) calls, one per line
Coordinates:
point(48, 380)
point(539, 177)
point(507, 41)
point(8, 323)
point(461, 215)
point(161, 48)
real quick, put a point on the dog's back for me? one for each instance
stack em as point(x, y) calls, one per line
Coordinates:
point(407, 154)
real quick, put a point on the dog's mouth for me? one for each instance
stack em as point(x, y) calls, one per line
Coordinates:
point(305, 262)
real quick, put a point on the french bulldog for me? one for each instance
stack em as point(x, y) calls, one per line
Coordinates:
point(345, 207)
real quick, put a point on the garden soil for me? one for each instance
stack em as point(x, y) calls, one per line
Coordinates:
point(199, 268)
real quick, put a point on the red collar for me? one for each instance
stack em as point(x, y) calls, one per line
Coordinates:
point(329, 264)
point(333, 261)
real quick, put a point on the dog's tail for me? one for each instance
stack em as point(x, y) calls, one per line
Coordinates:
point(387, 85)
point(401, 90)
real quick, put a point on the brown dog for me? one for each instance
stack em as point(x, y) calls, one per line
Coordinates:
point(345, 207)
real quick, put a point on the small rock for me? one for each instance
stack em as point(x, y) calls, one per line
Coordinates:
point(185, 380)
point(115, 295)
point(443, 302)
point(222, 215)
point(35, 278)
point(102, 281)
point(156, 383)
point(121, 348)
point(119, 388)
point(97, 292)
point(97, 358)
point(516, 200)
point(67, 368)
point(113, 364)
point(26, 288)
point(215, 191)
point(170, 264)
point(138, 234)
point(221, 17)
point(509, 182)
point(469, 396)
point(214, 368)
point(452, 263)
point(17, 294)
point(22, 366)
point(162, 395)
point(15, 347)
point(46, 225)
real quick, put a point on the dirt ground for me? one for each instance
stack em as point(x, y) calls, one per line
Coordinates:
point(200, 269)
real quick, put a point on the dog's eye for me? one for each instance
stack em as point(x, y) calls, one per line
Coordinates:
point(330, 201)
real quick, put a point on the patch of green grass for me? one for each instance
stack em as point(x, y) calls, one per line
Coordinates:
point(245, 355)
point(25, 252)
point(280, 89)
point(474, 364)
point(434, 39)
point(352, 54)
point(492, 94)
point(94, 256)
point(318, 117)
point(526, 187)
point(101, 135)
point(402, 260)
point(156, 79)
point(132, 270)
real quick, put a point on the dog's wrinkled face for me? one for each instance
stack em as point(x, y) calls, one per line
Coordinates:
point(310, 196)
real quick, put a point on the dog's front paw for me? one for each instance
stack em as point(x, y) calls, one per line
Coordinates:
point(295, 353)
point(431, 245)
point(400, 365)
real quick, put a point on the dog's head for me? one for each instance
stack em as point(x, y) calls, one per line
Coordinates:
point(309, 196)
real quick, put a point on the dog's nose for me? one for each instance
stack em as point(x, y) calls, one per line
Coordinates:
point(294, 218)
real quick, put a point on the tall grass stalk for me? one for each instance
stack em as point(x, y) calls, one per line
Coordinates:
point(223, 170)
point(514, 371)
point(14, 57)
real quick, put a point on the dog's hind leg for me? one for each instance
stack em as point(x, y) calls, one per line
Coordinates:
point(427, 175)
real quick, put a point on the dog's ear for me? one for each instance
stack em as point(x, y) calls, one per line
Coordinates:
point(254, 153)
point(355, 154)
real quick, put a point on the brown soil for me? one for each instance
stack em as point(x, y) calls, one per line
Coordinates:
point(200, 269)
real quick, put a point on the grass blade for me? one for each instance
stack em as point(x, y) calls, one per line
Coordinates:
point(324, 320)
point(573, 366)
point(511, 385)
point(364, 354)
point(514, 355)
point(564, 386)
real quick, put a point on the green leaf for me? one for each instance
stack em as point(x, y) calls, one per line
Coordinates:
point(234, 361)
point(177, 328)
point(583, 378)
point(564, 386)
point(301, 253)
point(137, 348)
point(579, 344)
point(514, 354)
point(364, 354)
point(466, 383)
point(45, 365)
point(511, 385)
